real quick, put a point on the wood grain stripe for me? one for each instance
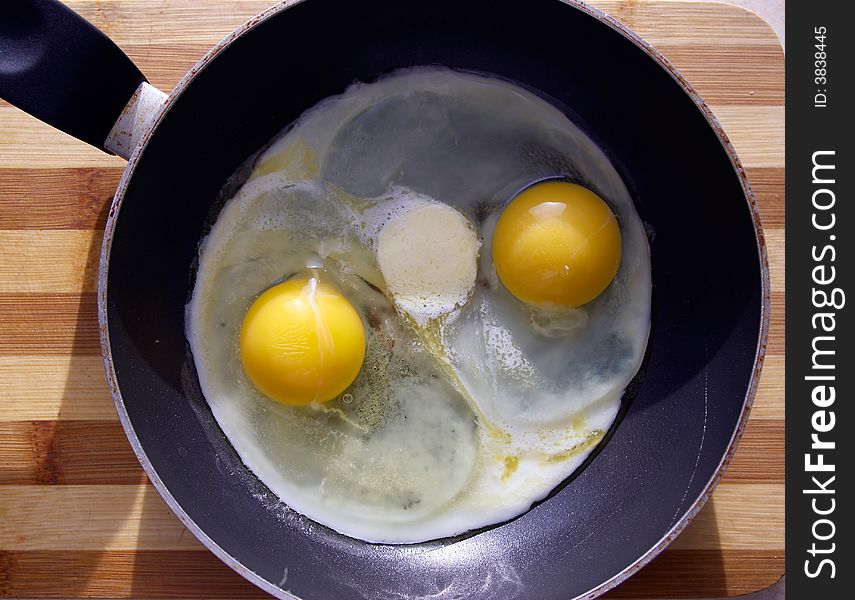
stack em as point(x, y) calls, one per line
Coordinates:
point(760, 455)
point(175, 574)
point(776, 342)
point(72, 387)
point(58, 387)
point(769, 402)
point(89, 517)
point(120, 574)
point(48, 324)
point(80, 198)
point(38, 261)
point(97, 453)
point(42, 261)
point(665, 23)
point(718, 73)
point(775, 249)
point(702, 574)
point(56, 198)
point(67, 452)
point(130, 21)
point(756, 132)
point(28, 143)
point(740, 516)
point(66, 323)
point(767, 183)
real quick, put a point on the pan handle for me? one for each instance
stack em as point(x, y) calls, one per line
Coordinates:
point(58, 67)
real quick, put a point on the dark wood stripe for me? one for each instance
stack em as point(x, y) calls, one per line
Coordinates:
point(79, 198)
point(120, 574)
point(194, 574)
point(718, 72)
point(767, 184)
point(49, 324)
point(66, 452)
point(68, 323)
point(776, 325)
point(703, 574)
point(760, 455)
point(97, 453)
point(73, 198)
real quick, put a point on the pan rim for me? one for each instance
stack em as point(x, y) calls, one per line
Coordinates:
point(759, 356)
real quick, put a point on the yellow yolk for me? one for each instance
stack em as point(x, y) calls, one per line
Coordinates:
point(301, 342)
point(556, 243)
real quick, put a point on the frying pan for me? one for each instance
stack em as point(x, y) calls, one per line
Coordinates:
point(680, 421)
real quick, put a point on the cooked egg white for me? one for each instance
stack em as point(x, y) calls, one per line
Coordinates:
point(472, 401)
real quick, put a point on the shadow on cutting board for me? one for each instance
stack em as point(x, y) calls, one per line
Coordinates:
point(92, 452)
point(127, 543)
point(684, 572)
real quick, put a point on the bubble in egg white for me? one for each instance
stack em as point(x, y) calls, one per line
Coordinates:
point(470, 406)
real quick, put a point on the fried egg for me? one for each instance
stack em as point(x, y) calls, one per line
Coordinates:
point(390, 338)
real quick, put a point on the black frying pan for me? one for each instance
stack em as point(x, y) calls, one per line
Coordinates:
point(711, 290)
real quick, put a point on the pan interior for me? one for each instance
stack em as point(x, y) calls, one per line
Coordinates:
point(707, 293)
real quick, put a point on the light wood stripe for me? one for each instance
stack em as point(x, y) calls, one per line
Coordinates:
point(738, 517)
point(775, 249)
point(176, 574)
point(665, 23)
point(73, 452)
point(89, 517)
point(67, 453)
point(28, 143)
point(756, 132)
point(72, 387)
point(135, 21)
point(51, 324)
point(66, 261)
point(48, 324)
point(57, 387)
point(126, 517)
point(165, 64)
point(127, 21)
point(769, 402)
point(40, 261)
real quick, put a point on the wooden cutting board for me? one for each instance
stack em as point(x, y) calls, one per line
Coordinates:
point(78, 517)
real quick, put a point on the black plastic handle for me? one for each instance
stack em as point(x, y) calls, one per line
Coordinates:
point(58, 67)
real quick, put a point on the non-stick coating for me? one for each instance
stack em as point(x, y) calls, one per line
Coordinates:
point(706, 272)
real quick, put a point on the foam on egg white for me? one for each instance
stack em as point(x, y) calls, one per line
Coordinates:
point(428, 255)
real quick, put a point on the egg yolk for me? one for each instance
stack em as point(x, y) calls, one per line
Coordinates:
point(301, 342)
point(556, 243)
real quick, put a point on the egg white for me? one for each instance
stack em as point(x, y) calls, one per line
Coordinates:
point(470, 406)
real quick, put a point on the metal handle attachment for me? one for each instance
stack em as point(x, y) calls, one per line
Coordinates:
point(58, 67)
